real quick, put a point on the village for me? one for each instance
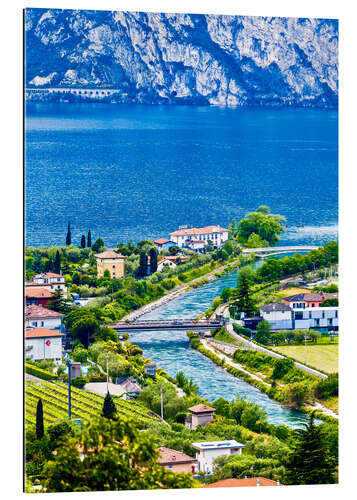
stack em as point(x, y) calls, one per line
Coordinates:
point(81, 340)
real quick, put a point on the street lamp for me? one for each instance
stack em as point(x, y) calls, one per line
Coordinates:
point(305, 350)
point(68, 363)
point(107, 358)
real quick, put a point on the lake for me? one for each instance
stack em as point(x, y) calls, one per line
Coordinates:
point(136, 172)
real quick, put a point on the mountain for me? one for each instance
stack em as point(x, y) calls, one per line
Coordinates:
point(184, 58)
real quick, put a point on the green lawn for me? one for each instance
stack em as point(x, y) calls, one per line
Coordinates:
point(323, 357)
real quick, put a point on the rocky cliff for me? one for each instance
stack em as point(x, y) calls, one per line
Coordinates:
point(185, 58)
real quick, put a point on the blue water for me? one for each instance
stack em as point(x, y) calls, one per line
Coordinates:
point(172, 351)
point(133, 172)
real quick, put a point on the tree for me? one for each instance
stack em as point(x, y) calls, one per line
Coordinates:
point(153, 260)
point(255, 241)
point(69, 236)
point(281, 368)
point(40, 430)
point(263, 332)
point(83, 241)
point(143, 264)
point(174, 250)
point(89, 239)
point(243, 300)
point(109, 408)
point(59, 303)
point(83, 324)
point(117, 456)
point(262, 223)
point(98, 245)
point(311, 461)
point(57, 265)
point(329, 303)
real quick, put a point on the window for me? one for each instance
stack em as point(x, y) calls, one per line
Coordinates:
point(34, 323)
point(330, 321)
point(312, 305)
point(323, 314)
point(113, 266)
point(336, 314)
point(42, 323)
point(317, 322)
point(310, 315)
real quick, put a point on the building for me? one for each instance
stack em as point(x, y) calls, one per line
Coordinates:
point(283, 317)
point(176, 461)
point(43, 343)
point(164, 244)
point(39, 316)
point(196, 245)
point(217, 235)
point(37, 295)
point(321, 319)
point(278, 315)
point(51, 281)
point(209, 451)
point(111, 261)
point(304, 300)
point(247, 481)
point(200, 415)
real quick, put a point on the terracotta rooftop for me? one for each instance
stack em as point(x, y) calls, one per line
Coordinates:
point(38, 293)
point(34, 333)
point(201, 408)
point(249, 481)
point(199, 230)
point(161, 241)
point(311, 297)
point(169, 456)
point(48, 275)
point(275, 306)
point(35, 311)
point(109, 254)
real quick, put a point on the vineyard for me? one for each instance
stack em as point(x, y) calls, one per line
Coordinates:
point(85, 404)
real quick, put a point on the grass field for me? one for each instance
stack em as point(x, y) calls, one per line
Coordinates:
point(323, 357)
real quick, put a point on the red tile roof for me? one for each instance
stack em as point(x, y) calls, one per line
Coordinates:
point(201, 408)
point(109, 254)
point(48, 275)
point(249, 481)
point(38, 293)
point(169, 456)
point(35, 311)
point(199, 230)
point(311, 297)
point(161, 241)
point(34, 333)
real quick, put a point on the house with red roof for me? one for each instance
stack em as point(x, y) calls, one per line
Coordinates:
point(217, 235)
point(37, 295)
point(111, 261)
point(52, 281)
point(247, 481)
point(164, 243)
point(37, 316)
point(304, 300)
point(200, 414)
point(176, 461)
point(43, 343)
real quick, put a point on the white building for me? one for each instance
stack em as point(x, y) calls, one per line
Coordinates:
point(217, 235)
point(42, 343)
point(196, 245)
point(278, 315)
point(39, 317)
point(166, 262)
point(323, 319)
point(51, 281)
point(209, 451)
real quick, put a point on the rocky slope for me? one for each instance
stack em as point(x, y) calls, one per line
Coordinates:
point(179, 58)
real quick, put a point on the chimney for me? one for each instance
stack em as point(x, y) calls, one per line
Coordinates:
point(258, 482)
point(278, 482)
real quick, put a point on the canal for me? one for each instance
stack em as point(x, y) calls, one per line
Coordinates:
point(172, 352)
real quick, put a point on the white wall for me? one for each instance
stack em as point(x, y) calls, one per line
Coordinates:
point(50, 323)
point(205, 458)
point(41, 351)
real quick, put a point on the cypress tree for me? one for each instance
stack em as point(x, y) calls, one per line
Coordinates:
point(109, 408)
point(89, 239)
point(311, 462)
point(98, 244)
point(244, 301)
point(153, 260)
point(57, 264)
point(143, 264)
point(39, 420)
point(69, 236)
point(83, 241)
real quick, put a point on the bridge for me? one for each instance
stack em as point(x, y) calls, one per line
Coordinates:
point(173, 324)
point(271, 251)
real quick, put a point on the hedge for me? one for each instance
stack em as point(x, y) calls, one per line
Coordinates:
point(38, 372)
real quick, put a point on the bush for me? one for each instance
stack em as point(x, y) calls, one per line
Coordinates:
point(281, 368)
point(38, 372)
point(328, 387)
point(79, 382)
